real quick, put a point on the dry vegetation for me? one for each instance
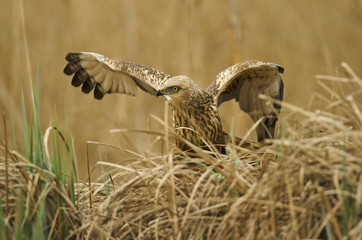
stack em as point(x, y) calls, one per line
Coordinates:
point(307, 184)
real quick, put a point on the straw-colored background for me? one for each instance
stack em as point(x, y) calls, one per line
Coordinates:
point(195, 38)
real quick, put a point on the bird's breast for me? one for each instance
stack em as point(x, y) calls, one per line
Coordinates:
point(198, 125)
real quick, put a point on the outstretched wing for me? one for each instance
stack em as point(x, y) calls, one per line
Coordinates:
point(243, 82)
point(105, 75)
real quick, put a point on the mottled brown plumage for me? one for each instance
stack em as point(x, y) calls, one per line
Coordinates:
point(194, 110)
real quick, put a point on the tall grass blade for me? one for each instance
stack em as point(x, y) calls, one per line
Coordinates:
point(25, 128)
point(3, 230)
point(40, 222)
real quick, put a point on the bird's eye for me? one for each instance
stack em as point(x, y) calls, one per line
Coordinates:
point(175, 89)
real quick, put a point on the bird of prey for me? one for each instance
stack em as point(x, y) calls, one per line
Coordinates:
point(194, 110)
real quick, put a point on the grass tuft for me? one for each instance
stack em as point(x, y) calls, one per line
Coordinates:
point(40, 182)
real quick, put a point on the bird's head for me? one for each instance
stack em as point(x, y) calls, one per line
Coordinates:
point(180, 89)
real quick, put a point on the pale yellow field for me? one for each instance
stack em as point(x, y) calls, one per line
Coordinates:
point(194, 38)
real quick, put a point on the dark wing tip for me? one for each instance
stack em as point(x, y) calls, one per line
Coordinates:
point(73, 63)
point(281, 90)
point(280, 69)
point(79, 78)
point(71, 68)
point(98, 92)
point(72, 57)
point(88, 85)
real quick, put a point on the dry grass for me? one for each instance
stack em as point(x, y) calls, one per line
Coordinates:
point(306, 185)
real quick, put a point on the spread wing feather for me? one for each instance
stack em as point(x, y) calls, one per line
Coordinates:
point(104, 75)
point(243, 82)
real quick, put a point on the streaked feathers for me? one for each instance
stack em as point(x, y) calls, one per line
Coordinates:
point(105, 75)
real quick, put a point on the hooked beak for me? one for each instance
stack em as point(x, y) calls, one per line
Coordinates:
point(159, 93)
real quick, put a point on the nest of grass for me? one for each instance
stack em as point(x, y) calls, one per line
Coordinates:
point(307, 184)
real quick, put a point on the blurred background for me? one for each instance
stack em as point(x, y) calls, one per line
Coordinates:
point(197, 38)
